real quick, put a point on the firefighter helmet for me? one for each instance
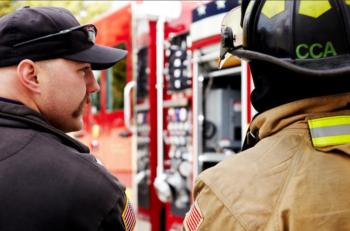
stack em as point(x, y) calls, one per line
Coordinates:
point(308, 37)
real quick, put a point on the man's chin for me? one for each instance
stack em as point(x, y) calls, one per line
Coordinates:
point(78, 113)
point(75, 126)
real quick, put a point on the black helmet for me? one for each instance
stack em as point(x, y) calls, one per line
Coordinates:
point(309, 37)
point(296, 49)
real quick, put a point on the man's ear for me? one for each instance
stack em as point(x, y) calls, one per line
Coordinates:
point(27, 74)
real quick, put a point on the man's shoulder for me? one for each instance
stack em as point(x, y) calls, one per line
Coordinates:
point(270, 153)
point(251, 179)
point(49, 155)
point(59, 180)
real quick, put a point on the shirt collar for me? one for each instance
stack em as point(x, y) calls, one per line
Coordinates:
point(6, 100)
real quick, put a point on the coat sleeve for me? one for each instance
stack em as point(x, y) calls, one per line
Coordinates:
point(121, 217)
point(209, 213)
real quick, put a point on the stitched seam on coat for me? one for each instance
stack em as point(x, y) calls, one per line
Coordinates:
point(20, 149)
point(236, 216)
point(276, 204)
point(290, 174)
point(92, 165)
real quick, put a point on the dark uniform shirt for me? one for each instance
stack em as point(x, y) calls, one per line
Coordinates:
point(49, 181)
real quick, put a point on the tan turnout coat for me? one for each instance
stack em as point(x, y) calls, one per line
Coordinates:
point(284, 182)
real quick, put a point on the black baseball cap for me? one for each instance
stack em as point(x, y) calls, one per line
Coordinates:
point(41, 33)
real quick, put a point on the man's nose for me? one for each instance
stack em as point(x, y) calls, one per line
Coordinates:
point(92, 84)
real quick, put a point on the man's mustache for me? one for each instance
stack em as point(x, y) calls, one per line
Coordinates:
point(77, 112)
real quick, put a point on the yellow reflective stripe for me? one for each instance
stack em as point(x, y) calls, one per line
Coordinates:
point(272, 8)
point(329, 121)
point(347, 2)
point(330, 140)
point(329, 131)
point(314, 8)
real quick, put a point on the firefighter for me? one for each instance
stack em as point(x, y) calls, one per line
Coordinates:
point(50, 181)
point(294, 171)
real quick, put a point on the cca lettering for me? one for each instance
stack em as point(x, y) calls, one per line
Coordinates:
point(315, 50)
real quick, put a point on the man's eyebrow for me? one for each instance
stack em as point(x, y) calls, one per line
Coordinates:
point(84, 66)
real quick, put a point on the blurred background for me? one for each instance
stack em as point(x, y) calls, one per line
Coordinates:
point(85, 11)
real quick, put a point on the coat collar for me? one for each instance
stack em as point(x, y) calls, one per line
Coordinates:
point(273, 120)
point(18, 115)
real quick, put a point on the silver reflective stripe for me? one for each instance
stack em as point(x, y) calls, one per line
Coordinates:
point(330, 131)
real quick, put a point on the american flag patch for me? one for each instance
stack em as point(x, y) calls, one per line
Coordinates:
point(128, 216)
point(194, 218)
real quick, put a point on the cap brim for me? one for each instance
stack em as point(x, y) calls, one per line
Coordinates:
point(100, 57)
point(331, 66)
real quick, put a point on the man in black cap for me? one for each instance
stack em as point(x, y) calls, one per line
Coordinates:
point(50, 181)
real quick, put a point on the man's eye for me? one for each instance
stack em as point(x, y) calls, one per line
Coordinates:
point(83, 72)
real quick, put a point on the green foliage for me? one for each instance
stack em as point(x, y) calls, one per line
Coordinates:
point(84, 11)
point(119, 81)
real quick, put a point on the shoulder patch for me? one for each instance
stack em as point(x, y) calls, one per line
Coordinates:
point(128, 216)
point(194, 218)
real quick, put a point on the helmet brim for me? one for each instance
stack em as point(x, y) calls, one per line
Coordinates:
point(330, 66)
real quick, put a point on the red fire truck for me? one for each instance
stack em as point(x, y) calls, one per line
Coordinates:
point(181, 114)
point(200, 108)
point(159, 94)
